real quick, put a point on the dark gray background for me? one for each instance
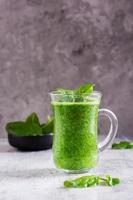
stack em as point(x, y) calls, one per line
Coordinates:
point(46, 44)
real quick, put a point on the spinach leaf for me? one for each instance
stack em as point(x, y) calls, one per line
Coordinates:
point(20, 128)
point(33, 118)
point(31, 126)
point(123, 145)
point(48, 127)
point(91, 181)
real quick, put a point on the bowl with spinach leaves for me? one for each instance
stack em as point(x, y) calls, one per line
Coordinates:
point(30, 135)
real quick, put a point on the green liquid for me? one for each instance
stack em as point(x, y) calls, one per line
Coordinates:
point(75, 135)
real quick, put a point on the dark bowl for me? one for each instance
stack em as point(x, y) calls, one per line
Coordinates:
point(31, 143)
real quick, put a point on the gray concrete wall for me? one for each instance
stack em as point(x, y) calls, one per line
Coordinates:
point(46, 44)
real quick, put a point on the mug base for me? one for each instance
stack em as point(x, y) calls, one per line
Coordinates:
point(79, 171)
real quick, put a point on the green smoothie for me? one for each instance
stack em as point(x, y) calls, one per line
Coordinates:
point(75, 135)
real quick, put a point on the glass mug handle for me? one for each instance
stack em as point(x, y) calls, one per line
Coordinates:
point(113, 128)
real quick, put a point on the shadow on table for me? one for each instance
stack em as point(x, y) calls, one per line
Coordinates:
point(5, 147)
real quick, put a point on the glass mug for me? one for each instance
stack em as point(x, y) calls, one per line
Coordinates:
point(75, 146)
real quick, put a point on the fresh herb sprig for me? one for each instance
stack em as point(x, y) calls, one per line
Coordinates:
point(85, 89)
point(78, 94)
point(91, 181)
point(123, 145)
point(30, 127)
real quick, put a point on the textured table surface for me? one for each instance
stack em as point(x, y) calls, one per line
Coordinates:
point(32, 176)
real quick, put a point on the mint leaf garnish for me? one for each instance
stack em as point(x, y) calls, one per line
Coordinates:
point(85, 89)
point(64, 91)
point(123, 145)
point(75, 95)
point(91, 181)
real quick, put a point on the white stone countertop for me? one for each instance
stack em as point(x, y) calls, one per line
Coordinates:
point(33, 176)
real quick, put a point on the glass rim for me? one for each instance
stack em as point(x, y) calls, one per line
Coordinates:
point(69, 94)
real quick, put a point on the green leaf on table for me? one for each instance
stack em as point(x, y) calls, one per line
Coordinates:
point(112, 181)
point(48, 127)
point(20, 128)
point(91, 181)
point(84, 181)
point(123, 145)
point(33, 118)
